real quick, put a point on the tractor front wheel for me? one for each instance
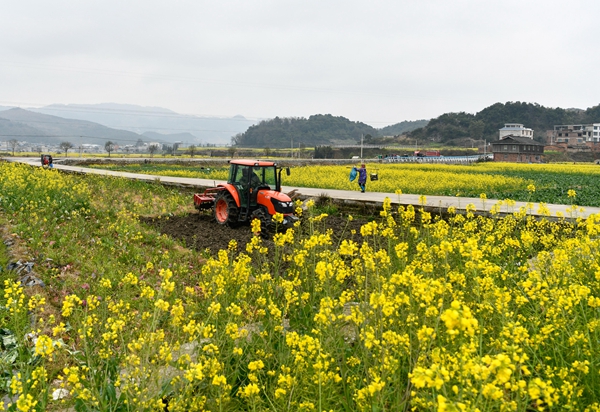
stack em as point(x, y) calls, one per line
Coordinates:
point(226, 211)
point(266, 221)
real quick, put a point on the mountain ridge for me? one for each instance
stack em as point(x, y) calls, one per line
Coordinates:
point(140, 119)
point(48, 129)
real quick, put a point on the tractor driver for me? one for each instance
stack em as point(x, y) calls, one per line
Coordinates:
point(255, 181)
point(250, 183)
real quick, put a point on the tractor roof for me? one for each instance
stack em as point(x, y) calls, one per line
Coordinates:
point(246, 162)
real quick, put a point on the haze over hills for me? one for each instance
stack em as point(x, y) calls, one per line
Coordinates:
point(162, 125)
point(141, 119)
point(178, 137)
point(40, 128)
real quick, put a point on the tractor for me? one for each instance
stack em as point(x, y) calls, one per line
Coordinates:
point(252, 191)
point(46, 160)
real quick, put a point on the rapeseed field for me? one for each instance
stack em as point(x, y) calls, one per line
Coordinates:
point(496, 180)
point(411, 312)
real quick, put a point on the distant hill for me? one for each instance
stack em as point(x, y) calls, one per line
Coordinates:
point(320, 129)
point(34, 127)
point(175, 137)
point(452, 127)
point(402, 127)
point(20, 131)
point(141, 119)
point(126, 124)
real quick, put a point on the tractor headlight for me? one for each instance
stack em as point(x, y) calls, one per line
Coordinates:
point(283, 207)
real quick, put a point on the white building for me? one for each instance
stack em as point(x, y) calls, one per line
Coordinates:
point(595, 129)
point(90, 148)
point(515, 129)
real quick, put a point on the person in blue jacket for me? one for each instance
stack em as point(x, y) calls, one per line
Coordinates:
point(362, 178)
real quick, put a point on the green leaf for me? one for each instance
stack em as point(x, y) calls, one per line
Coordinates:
point(9, 357)
point(9, 340)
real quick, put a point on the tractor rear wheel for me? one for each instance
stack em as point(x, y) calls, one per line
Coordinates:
point(226, 211)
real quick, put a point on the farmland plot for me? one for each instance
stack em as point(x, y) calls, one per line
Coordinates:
point(552, 182)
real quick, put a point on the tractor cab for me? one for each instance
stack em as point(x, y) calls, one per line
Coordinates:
point(248, 179)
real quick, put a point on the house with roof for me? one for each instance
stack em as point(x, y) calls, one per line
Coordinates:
point(518, 147)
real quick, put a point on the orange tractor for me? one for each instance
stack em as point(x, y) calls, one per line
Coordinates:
point(252, 191)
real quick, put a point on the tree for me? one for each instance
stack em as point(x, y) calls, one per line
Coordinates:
point(152, 149)
point(139, 143)
point(13, 143)
point(476, 129)
point(192, 149)
point(65, 146)
point(231, 151)
point(323, 152)
point(317, 130)
point(267, 151)
point(109, 147)
point(302, 149)
point(237, 139)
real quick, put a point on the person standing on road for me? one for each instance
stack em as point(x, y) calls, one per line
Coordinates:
point(362, 178)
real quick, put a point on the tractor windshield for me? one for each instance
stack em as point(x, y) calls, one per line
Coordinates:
point(266, 176)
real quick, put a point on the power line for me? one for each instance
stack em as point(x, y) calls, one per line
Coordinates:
point(128, 112)
point(76, 136)
point(26, 122)
point(212, 81)
point(195, 79)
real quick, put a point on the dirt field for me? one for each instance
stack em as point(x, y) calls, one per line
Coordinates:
point(200, 231)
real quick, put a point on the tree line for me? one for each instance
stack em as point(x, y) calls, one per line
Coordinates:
point(297, 131)
point(449, 128)
point(486, 123)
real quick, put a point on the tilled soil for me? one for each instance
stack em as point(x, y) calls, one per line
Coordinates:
point(200, 231)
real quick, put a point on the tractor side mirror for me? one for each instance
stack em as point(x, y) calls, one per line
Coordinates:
point(287, 171)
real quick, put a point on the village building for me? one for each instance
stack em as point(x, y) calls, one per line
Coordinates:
point(575, 137)
point(89, 148)
point(515, 129)
point(518, 146)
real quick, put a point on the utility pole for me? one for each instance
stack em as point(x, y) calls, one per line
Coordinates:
point(361, 147)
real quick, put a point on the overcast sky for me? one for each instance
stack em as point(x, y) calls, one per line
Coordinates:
point(379, 62)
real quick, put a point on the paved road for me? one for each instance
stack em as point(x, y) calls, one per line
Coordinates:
point(432, 203)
